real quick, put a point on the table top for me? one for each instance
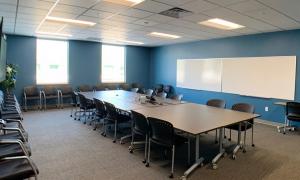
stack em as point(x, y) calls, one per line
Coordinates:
point(196, 118)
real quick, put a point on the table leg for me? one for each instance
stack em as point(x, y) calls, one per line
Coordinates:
point(221, 149)
point(239, 145)
point(198, 160)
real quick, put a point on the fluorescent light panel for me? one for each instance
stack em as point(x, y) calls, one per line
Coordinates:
point(125, 2)
point(131, 42)
point(53, 34)
point(164, 35)
point(70, 21)
point(221, 24)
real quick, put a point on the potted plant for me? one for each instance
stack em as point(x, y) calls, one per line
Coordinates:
point(10, 82)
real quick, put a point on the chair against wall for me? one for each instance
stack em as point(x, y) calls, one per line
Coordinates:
point(112, 86)
point(159, 88)
point(149, 92)
point(168, 89)
point(162, 95)
point(85, 88)
point(134, 90)
point(136, 85)
point(100, 87)
point(177, 97)
point(50, 92)
point(218, 103)
point(125, 87)
point(140, 127)
point(31, 93)
point(242, 107)
point(65, 92)
point(292, 113)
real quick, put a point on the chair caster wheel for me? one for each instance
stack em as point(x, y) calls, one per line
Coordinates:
point(216, 142)
point(225, 137)
point(183, 178)
point(121, 142)
point(253, 145)
point(147, 165)
point(171, 176)
point(144, 161)
point(94, 129)
point(214, 166)
point(71, 116)
point(84, 122)
point(74, 118)
point(114, 141)
point(201, 165)
point(229, 139)
point(244, 151)
point(233, 157)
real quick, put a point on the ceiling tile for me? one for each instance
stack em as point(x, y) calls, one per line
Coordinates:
point(63, 15)
point(80, 3)
point(197, 6)
point(136, 13)
point(153, 6)
point(159, 18)
point(144, 22)
point(7, 8)
point(32, 11)
point(174, 2)
point(98, 14)
point(12, 2)
point(36, 4)
point(109, 7)
point(196, 18)
point(288, 7)
point(69, 9)
point(226, 2)
point(120, 18)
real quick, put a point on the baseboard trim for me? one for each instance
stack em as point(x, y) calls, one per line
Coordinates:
point(270, 123)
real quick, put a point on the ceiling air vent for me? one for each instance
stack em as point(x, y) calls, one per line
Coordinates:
point(176, 12)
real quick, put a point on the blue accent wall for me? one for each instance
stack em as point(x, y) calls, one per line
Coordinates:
point(285, 43)
point(84, 62)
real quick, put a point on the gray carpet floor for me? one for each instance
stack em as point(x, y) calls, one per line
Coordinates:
point(64, 149)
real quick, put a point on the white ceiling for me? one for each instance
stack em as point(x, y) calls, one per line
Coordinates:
point(116, 22)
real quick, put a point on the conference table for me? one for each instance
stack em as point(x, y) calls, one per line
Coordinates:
point(190, 118)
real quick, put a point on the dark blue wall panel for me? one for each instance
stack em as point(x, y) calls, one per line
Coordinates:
point(163, 64)
point(84, 62)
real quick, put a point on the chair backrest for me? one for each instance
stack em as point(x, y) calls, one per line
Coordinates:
point(149, 92)
point(159, 88)
point(162, 95)
point(177, 97)
point(243, 107)
point(31, 91)
point(136, 85)
point(111, 111)
point(85, 88)
point(125, 87)
point(141, 124)
point(100, 87)
point(82, 101)
point(100, 108)
point(50, 90)
point(167, 88)
point(161, 131)
point(135, 90)
point(293, 108)
point(65, 89)
point(74, 98)
point(219, 103)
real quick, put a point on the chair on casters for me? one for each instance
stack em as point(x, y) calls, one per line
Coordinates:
point(100, 113)
point(162, 95)
point(86, 107)
point(177, 97)
point(162, 133)
point(292, 113)
point(149, 92)
point(140, 127)
point(242, 107)
point(114, 116)
point(218, 103)
point(74, 105)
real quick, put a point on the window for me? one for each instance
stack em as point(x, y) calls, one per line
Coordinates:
point(113, 64)
point(51, 62)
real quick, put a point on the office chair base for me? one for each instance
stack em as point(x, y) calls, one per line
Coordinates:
point(253, 145)
point(144, 161)
point(147, 164)
point(171, 176)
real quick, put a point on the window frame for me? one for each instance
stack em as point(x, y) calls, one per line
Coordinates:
point(101, 63)
point(67, 64)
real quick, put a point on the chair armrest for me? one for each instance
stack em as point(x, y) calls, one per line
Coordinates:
point(23, 157)
point(10, 141)
point(43, 93)
point(17, 121)
point(59, 93)
point(15, 129)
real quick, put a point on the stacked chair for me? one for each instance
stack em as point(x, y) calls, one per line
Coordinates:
point(15, 152)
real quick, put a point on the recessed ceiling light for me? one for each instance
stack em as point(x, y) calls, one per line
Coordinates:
point(70, 21)
point(53, 34)
point(164, 35)
point(221, 24)
point(125, 2)
point(131, 42)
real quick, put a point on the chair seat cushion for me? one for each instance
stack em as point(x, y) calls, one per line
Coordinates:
point(15, 169)
point(32, 97)
point(14, 135)
point(293, 117)
point(10, 150)
point(11, 116)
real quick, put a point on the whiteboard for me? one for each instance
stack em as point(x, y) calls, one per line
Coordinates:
point(268, 77)
point(200, 74)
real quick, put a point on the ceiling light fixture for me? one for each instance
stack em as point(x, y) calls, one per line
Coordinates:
point(53, 34)
point(70, 21)
point(125, 2)
point(131, 42)
point(221, 24)
point(164, 35)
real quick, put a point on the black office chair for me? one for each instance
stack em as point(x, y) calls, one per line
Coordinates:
point(149, 92)
point(100, 87)
point(74, 105)
point(243, 107)
point(87, 107)
point(134, 90)
point(100, 112)
point(125, 87)
point(140, 127)
point(168, 89)
point(162, 95)
point(292, 114)
point(159, 88)
point(177, 97)
point(218, 103)
point(162, 133)
point(114, 116)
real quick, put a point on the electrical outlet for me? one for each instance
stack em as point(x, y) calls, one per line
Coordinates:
point(266, 108)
